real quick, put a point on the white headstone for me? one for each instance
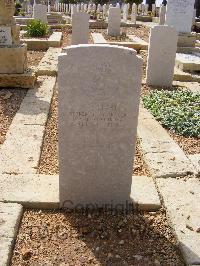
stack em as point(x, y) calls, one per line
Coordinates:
point(40, 12)
point(114, 21)
point(161, 56)
point(180, 14)
point(133, 17)
point(153, 9)
point(162, 13)
point(98, 112)
point(125, 13)
point(146, 8)
point(80, 28)
point(5, 36)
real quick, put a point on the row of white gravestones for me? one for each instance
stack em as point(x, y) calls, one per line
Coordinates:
point(40, 12)
point(60, 7)
point(98, 113)
point(80, 25)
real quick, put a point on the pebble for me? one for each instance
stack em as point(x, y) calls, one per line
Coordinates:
point(97, 249)
point(138, 257)
point(121, 242)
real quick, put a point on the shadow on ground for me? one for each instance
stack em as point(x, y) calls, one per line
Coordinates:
point(98, 238)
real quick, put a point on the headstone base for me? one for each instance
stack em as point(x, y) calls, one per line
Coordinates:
point(186, 40)
point(25, 80)
point(13, 59)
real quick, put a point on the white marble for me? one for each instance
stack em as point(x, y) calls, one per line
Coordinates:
point(98, 112)
point(180, 14)
point(40, 12)
point(80, 28)
point(114, 21)
point(161, 56)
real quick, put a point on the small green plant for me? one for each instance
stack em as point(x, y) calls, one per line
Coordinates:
point(177, 110)
point(36, 28)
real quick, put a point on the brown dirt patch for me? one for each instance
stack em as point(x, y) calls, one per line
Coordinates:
point(10, 100)
point(34, 57)
point(98, 238)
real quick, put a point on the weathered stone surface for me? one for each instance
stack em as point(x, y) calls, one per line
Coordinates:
point(181, 199)
point(20, 152)
point(136, 40)
point(161, 56)
point(30, 190)
point(114, 21)
point(188, 62)
point(163, 156)
point(10, 216)
point(5, 35)
point(13, 59)
point(49, 64)
point(180, 14)
point(40, 12)
point(80, 28)
point(25, 80)
point(144, 193)
point(36, 44)
point(182, 76)
point(98, 38)
point(195, 159)
point(7, 10)
point(162, 13)
point(55, 39)
point(98, 112)
point(186, 40)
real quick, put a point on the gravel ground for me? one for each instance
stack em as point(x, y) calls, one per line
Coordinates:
point(10, 100)
point(49, 157)
point(34, 57)
point(103, 238)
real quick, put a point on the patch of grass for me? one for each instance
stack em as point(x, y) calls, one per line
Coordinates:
point(37, 28)
point(177, 110)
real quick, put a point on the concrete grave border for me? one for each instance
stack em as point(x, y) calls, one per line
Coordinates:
point(136, 43)
point(43, 44)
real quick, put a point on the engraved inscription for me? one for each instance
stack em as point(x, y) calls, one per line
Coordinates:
point(104, 115)
point(5, 36)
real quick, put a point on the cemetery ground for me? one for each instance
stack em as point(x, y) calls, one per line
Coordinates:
point(142, 237)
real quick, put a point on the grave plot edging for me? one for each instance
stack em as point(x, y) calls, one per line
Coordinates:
point(11, 215)
point(162, 154)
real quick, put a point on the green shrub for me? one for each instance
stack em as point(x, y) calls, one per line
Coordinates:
point(177, 110)
point(37, 28)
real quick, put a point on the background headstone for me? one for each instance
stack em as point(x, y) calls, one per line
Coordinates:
point(40, 12)
point(98, 113)
point(114, 21)
point(161, 56)
point(80, 28)
point(180, 14)
point(162, 13)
